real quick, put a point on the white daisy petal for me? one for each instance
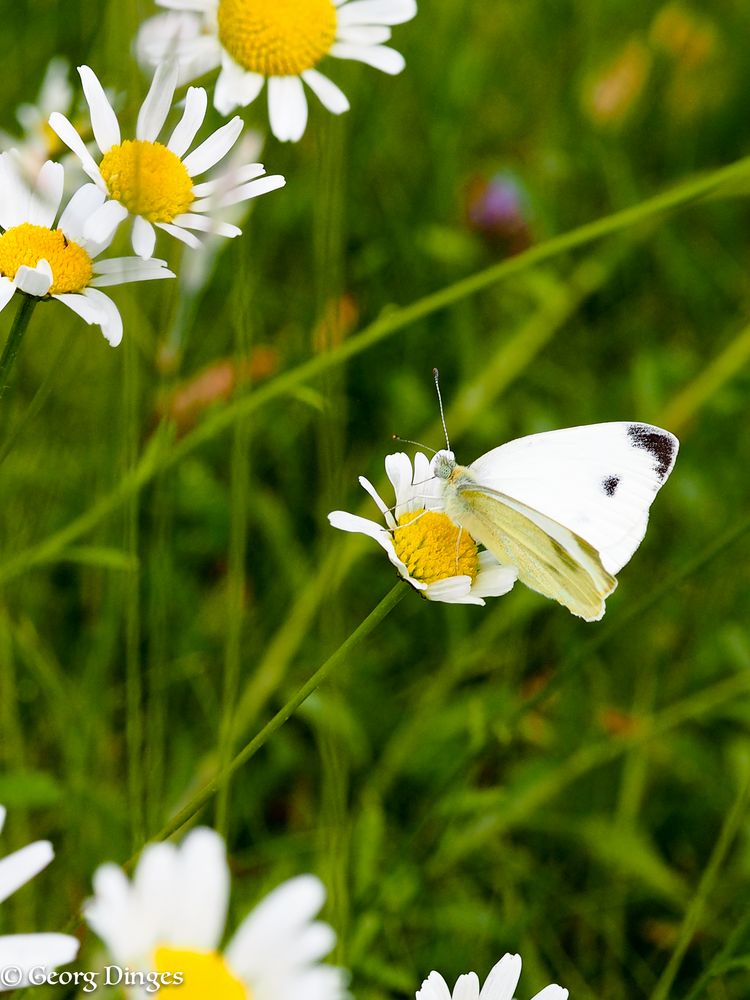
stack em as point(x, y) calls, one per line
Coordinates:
point(20, 867)
point(553, 992)
point(287, 108)
point(127, 265)
point(178, 35)
point(14, 196)
point(7, 291)
point(104, 122)
point(62, 128)
point(380, 503)
point(110, 319)
point(156, 107)
point(377, 12)
point(101, 226)
point(204, 891)
point(364, 34)
point(26, 952)
point(196, 103)
point(86, 200)
point(493, 580)
point(502, 981)
point(434, 988)
point(181, 234)
point(214, 148)
point(143, 238)
point(45, 199)
point(253, 189)
point(329, 95)
point(148, 271)
point(34, 280)
point(452, 590)
point(235, 86)
point(81, 306)
point(378, 56)
point(205, 224)
point(467, 986)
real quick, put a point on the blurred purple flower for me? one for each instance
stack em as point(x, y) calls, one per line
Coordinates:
point(498, 208)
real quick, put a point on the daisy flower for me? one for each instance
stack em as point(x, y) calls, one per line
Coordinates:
point(153, 182)
point(279, 41)
point(42, 258)
point(22, 953)
point(430, 552)
point(499, 985)
point(171, 919)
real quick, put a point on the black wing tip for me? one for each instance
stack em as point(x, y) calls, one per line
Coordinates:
point(661, 445)
point(610, 484)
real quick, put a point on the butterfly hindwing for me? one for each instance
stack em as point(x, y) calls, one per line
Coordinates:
point(597, 481)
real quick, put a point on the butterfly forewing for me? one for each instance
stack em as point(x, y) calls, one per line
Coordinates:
point(597, 481)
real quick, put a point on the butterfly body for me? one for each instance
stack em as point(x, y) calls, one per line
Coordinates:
point(566, 508)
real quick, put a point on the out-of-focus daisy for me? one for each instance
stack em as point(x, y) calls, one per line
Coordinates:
point(42, 258)
point(22, 953)
point(279, 41)
point(500, 984)
point(171, 918)
point(153, 182)
point(38, 142)
point(434, 555)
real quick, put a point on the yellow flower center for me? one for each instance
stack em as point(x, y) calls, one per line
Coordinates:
point(148, 179)
point(205, 974)
point(28, 244)
point(431, 549)
point(277, 37)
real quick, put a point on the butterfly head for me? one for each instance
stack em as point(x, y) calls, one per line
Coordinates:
point(443, 463)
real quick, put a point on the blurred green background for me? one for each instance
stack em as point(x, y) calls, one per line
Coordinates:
point(477, 780)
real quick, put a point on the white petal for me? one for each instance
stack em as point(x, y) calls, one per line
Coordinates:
point(452, 590)
point(364, 34)
point(553, 992)
point(231, 179)
point(235, 87)
point(110, 319)
point(101, 226)
point(467, 986)
point(379, 502)
point(178, 35)
point(62, 127)
point(34, 280)
point(7, 291)
point(434, 988)
point(502, 981)
point(47, 195)
point(205, 224)
point(214, 148)
point(14, 195)
point(146, 270)
point(202, 5)
point(344, 521)
point(80, 208)
point(144, 237)
point(80, 305)
point(379, 56)
point(287, 108)
point(253, 189)
point(203, 892)
point(32, 951)
point(155, 108)
point(399, 471)
point(326, 91)
point(181, 234)
point(104, 122)
point(493, 580)
point(3, 810)
point(126, 265)
point(377, 12)
point(196, 103)
point(20, 867)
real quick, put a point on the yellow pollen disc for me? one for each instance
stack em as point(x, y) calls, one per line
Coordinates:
point(205, 974)
point(28, 244)
point(430, 548)
point(148, 179)
point(277, 37)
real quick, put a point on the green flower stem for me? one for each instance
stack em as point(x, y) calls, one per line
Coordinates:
point(338, 659)
point(12, 344)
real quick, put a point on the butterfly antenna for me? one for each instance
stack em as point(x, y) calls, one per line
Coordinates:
point(397, 437)
point(436, 376)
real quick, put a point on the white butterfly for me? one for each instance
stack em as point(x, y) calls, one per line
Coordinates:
point(566, 508)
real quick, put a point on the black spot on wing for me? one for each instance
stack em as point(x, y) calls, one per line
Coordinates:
point(660, 444)
point(610, 484)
